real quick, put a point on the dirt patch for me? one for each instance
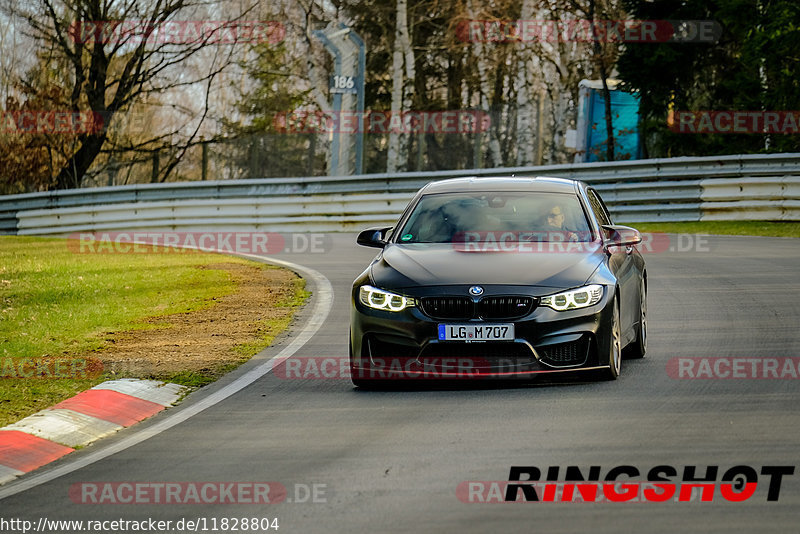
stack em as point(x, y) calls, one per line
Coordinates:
point(205, 341)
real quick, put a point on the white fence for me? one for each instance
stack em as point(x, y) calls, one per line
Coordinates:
point(742, 187)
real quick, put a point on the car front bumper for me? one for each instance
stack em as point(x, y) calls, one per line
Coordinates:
point(406, 345)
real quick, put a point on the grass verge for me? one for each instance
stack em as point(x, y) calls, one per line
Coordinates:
point(750, 228)
point(59, 306)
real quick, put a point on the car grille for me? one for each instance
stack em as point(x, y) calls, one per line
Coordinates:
point(504, 307)
point(565, 354)
point(461, 308)
point(448, 307)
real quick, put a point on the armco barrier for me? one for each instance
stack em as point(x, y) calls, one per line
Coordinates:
point(739, 187)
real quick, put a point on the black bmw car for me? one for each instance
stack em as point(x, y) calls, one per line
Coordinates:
point(499, 277)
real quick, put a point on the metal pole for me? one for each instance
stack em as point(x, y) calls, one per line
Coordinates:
point(154, 175)
point(337, 99)
point(204, 152)
point(540, 129)
point(362, 67)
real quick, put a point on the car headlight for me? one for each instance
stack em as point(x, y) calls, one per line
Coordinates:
point(574, 298)
point(384, 300)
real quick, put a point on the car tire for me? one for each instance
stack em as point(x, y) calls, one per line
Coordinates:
point(638, 348)
point(615, 347)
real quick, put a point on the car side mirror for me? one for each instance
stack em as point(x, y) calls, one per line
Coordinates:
point(617, 235)
point(373, 237)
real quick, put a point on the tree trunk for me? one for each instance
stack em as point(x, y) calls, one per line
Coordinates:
point(495, 153)
point(525, 98)
point(71, 175)
point(600, 61)
point(609, 124)
point(402, 84)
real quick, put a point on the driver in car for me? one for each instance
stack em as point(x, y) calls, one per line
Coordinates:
point(555, 223)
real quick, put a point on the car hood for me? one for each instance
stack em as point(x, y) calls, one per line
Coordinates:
point(405, 266)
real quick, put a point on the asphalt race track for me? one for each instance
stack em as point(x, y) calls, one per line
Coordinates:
point(390, 461)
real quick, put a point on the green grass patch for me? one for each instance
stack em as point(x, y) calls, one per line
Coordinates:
point(53, 301)
point(60, 304)
point(751, 228)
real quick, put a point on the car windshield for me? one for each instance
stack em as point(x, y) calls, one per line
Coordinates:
point(520, 216)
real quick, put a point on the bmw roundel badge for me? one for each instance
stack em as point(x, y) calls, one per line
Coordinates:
point(476, 291)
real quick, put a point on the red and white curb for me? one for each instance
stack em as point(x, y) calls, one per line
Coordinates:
point(90, 415)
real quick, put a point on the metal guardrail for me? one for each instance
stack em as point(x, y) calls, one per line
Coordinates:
point(761, 186)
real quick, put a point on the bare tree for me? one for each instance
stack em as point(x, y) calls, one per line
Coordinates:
point(485, 90)
point(114, 53)
point(403, 74)
point(602, 68)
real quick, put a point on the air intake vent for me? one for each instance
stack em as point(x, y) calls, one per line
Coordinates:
point(565, 354)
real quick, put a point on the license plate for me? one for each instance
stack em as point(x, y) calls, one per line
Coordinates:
point(476, 332)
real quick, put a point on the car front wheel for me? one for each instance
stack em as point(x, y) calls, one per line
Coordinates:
point(615, 348)
point(638, 348)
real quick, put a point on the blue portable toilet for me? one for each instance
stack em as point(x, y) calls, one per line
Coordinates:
point(591, 128)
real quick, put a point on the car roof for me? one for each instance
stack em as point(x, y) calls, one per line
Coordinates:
point(542, 184)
